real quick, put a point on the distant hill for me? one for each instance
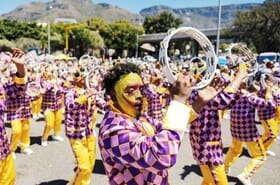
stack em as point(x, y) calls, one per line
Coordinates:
point(206, 17)
point(77, 9)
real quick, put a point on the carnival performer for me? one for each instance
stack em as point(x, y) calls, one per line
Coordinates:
point(79, 126)
point(205, 131)
point(52, 106)
point(7, 166)
point(36, 101)
point(135, 148)
point(18, 107)
point(244, 131)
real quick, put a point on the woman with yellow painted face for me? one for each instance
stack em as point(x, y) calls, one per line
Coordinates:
point(135, 147)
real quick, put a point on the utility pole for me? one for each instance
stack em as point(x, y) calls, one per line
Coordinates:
point(137, 38)
point(49, 34)
point(219, 27)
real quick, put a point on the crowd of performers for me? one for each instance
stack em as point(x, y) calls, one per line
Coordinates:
point(145, 118)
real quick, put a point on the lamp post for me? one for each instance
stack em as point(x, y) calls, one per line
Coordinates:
point(49, 34)
point(136, 53)
point(218, 31)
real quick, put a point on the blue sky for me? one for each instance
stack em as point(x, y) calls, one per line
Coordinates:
point(135, 5)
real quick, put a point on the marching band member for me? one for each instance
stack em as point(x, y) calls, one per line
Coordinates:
point(135, 148)
point(52, 106)
point(267, 118)
point(80, 130)
point(18, 107)
point(205, 131)
point(244, 131)
point(7, 166)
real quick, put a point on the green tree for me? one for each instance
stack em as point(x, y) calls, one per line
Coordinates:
point(161, 23)
point(12, 30)
point(123, 36)
point(259, 27)
point(27, 43)
point(82, 39)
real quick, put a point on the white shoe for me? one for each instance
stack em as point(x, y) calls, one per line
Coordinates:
point(270, 153)
point(57, 138)
point(35, 117)
point(14, 155)
point(27, 151)
point(244, 180)
point(44, 143)
point(278, 137)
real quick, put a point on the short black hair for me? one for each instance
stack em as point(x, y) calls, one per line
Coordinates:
point(114, 74)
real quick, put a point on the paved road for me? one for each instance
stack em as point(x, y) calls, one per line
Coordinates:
point(54, 164)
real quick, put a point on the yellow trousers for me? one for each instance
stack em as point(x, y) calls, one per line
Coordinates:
point(213, 175)
point(53, 121)
point(20, 132)
point(257, 152)
point(7, 171)
point(85, 154)
point(270, 132)
point(36, 106)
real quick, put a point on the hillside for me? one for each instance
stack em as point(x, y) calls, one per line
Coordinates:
point(77, 9)
point(205, 17)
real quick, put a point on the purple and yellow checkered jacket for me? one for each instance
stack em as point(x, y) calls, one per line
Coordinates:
point(52, 99)
point(130, 157)
point(265, 113)
point(18, 103)
point(205, 131)
point(4, 142)
point(154, 106)
point(78, 117)
point(243, 126)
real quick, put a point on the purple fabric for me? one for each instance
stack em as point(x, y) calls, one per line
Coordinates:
point(4, 142)
point(130, 157)
point(243, 126)
point(206, 128)
point(78, 118)
point(17, 102)
point(52, 99)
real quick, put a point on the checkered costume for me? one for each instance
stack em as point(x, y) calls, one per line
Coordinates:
point(205, 131)
point(18, 105)
point(52, 98)
point(266, 113)
point(243, 126)
point(78, 117)
point(4, 142)
point(130, 157)
point(154, 106)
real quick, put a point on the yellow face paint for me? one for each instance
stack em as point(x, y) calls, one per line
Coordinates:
point(128, 93)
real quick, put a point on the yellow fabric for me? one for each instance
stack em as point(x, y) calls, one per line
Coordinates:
point(94, 118)
point(20, 80)
point(20, 132)
point(256, 150)
point(36, 105)
point(230, 89)
point(277, 116)
point(53, 121)
point(7, 171)
point(81, 100)
point(146, 129)
point(270, 132)
point(85, 154)
point(122, 96)
point(213, 175)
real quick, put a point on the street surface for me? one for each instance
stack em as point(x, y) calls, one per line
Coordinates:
point(54, 164)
